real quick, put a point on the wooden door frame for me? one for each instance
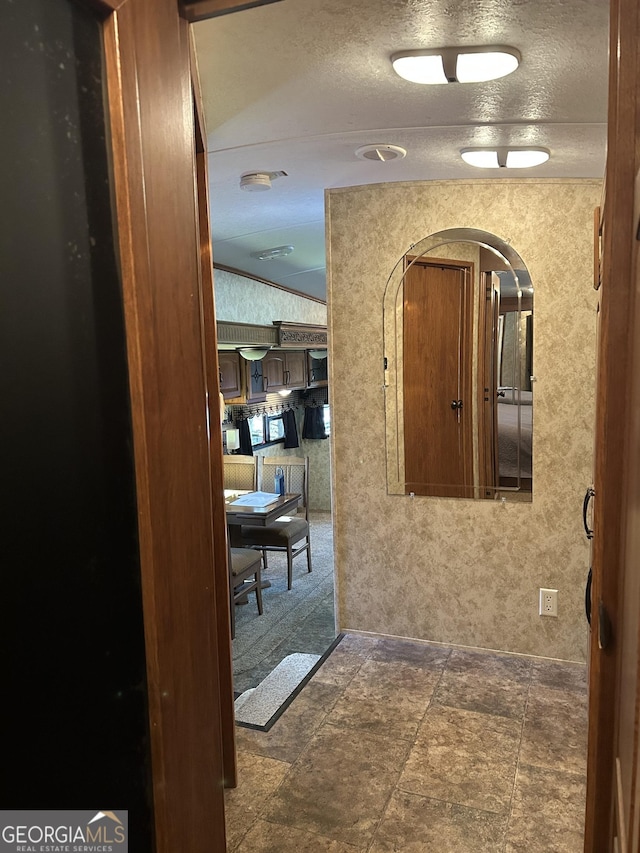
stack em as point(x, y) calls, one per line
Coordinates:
point(612, 416)
point(173, 402)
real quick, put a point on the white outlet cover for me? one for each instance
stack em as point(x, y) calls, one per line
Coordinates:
point(548, 602)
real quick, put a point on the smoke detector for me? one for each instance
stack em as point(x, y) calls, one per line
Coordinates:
point(259, 181)
point(381, 153)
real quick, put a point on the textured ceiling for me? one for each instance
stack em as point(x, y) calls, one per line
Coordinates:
point(298, 85)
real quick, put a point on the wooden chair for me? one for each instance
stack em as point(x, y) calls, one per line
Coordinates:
point(240, 472)
point(245, 566)
point(288, 534)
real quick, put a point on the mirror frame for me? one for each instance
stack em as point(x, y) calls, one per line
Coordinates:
point(392, 346)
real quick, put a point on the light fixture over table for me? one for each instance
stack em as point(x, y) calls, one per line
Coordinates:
point(456, 64)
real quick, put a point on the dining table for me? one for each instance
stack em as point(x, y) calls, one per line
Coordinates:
point(260, 509)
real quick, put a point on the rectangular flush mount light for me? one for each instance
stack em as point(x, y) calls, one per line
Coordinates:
point(502, 157)
point(456, 64)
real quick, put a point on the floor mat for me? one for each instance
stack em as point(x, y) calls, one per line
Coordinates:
point(260, 707)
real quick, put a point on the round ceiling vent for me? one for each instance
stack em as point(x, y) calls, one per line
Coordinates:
point(381, 153)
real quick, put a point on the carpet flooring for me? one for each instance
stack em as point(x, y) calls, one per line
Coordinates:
point(300, 620)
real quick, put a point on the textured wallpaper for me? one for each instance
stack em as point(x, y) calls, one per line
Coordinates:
point(444, 569)
point(244, 300)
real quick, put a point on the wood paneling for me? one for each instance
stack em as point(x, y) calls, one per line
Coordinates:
point(153, 131)
point(612, 415)
point(210, 345)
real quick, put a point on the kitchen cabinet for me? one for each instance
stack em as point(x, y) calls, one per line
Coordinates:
point(254, 382)
point(284, 370)
point(317, 371)
point(230, 374)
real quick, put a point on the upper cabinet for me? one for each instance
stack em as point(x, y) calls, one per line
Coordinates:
point(284, 370)
point(230, 375)
point(294, 359)
point(317, 369)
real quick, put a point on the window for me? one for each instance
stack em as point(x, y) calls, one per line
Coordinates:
point(266, 429)
point(326, 415)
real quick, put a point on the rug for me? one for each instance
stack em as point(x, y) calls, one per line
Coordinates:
point(259, 707)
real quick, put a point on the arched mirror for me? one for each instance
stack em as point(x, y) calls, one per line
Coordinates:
point(458, 344)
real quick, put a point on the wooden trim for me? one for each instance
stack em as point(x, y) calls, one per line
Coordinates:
point(103, 7)
point(616, 299)
point(597, 235)
point(212, 373)
point(149, 86)
point(301, 335)
point(200, 10)
point(269, 283)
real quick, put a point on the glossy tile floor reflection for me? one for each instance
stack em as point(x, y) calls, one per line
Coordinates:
point(398, 746)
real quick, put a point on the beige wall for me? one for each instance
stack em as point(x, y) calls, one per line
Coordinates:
point(451, 570)
point(243, 300)
point(240, 299)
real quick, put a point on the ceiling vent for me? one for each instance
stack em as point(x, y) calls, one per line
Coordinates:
point(259, 181)
point(381, 153)
point(272, 254)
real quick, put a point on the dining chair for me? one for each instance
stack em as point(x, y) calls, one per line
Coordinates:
point(240, 472)
point(288, 534)
point(245, 567)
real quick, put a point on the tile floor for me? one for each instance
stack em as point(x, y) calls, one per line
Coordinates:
point(398, 746)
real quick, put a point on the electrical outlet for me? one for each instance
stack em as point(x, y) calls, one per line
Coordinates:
point(548, 602)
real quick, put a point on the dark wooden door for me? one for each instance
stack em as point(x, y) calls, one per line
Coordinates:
point(437, 379)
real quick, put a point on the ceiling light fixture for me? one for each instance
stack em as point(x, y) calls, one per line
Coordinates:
point(272, 254)
point(381, 153)
point(456, 64)
point(253, 353)
point(259, 181)
point(505, 157)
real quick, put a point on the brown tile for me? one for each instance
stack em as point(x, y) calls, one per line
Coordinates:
point(416, 654)
point(548, 812)
point(386, 698)
point(339, 668)
point(489, 684)
point(487, 663)
point(464, 757)
point(293, 731)
point(415, 824)
point(559, 674)
point(340, 785)
point(266, 837)
point(258, 778)
point(355, 644)
point(555, 730)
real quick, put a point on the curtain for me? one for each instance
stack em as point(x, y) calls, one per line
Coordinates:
point(313, 426)
point(245, 438)
point(290, 429)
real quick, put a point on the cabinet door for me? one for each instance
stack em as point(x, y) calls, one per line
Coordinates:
point(230, 381)
point(255, 382)
point(317, 371)
point(273, 367)
point(295, 369)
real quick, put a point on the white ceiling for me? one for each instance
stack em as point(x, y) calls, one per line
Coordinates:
point(298, 85)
